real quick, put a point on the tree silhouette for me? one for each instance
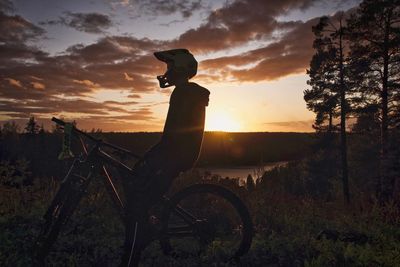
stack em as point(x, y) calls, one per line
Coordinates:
point(327, 78)
point(321, 98)
point(31, 126)
point(10, 128)
point(250, 185)
point(375, 38)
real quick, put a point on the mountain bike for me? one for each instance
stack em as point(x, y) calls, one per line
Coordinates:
point(189, 222)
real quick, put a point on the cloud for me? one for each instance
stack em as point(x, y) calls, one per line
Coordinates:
point(6, 6)
point(127, 77)
point(112, 102)
point(291, 54)
point(14, 82)
point(17, 36)
point(134, 96)
point(87, 83)
point(14, 29)
point(238, 23)
point(86, 22)
point(38, 85)
point(155, 8)
point(57, 105)
point(36, 78)
point(70, 78)
point(113, 48)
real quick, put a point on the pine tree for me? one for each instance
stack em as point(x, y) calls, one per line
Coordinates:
point(375, 38)
point(322, 98)
point(10, 128)
point(31, 126)
point(41, 129)
point(328, 80)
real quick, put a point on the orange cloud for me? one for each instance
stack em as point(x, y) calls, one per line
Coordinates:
point(127, 77)
point(287, 56)
point(237, 24)
point(38, 85)
point(14, 82)
point(88, 83)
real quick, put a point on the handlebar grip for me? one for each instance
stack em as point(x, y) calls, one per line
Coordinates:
point(58, 121)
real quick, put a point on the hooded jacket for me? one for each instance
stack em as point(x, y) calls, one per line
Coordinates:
point(184, 127)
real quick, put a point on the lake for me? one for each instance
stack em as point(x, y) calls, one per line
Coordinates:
point(242, 172)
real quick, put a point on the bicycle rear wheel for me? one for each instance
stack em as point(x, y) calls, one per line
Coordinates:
point(206, 219)
point(60, 210)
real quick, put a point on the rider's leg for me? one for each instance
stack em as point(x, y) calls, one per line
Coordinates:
point(137, 206)
point(151, 179)
point(135, 240)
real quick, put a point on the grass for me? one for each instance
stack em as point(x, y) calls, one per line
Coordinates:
point(288, 230)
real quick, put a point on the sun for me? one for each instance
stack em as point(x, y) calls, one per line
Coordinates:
point(221, 121)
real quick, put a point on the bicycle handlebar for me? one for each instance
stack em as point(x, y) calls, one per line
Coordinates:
point(98, 141)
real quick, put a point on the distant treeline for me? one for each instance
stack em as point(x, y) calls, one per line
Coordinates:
point(39, 150)
point(225, 149)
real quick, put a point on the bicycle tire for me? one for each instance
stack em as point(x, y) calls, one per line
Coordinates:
point(60, 210)
point(221, 192)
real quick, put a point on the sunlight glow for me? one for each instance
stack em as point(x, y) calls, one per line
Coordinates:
point(221, 121)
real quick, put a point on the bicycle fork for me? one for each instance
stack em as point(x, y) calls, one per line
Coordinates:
point(71, 191)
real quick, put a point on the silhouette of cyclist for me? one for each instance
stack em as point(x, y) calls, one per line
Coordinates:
point(176, 152)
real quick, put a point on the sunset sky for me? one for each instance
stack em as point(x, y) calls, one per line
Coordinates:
point(92, 61)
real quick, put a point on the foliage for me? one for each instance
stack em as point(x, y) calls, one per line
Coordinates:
point(287, 219)
point(356, 68)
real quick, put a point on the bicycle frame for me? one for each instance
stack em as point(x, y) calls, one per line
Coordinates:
point(97, 159)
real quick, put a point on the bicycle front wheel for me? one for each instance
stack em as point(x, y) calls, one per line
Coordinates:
point(60, 210)
point(206, 219)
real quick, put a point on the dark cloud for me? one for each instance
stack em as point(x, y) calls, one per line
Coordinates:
point(162, 7)
point(112, 63)
point(155, 8)
point(57, 105)
point(113, 48)
point(34, 83)
point(239, 23)
point(15, 29)
point(17, 38)
point(12, 52)
point(86, 22)
point(6, 6)
point(289, 54)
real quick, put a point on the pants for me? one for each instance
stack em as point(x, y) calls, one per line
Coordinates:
point(150, 179)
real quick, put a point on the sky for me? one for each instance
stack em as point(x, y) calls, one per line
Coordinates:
point(92, 61)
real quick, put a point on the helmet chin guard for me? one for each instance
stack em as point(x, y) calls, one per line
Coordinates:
point(163, 81)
